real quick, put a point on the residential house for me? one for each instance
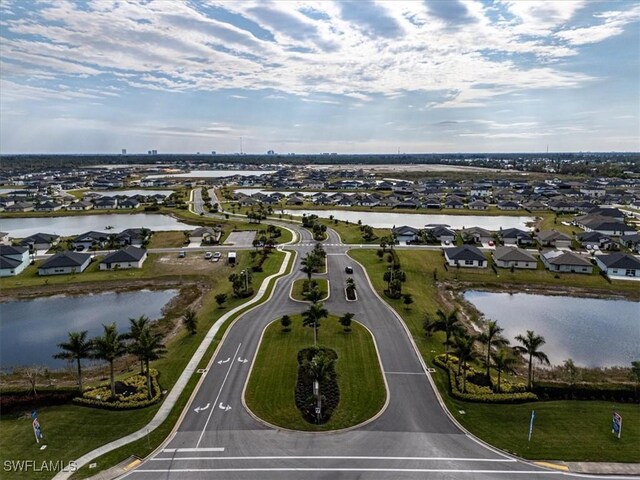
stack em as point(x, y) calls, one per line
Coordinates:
point(80, 205)
point(129, 203)
point(48, 207)
point(632, 242)
point(40, 241)
point(295, 200)
point(507, 257)
point(20, 207)
point(105, 203)
point(64, 263)
point(465, 256)
point(535, 205)
point(554, 238)
point(563, 261)
point(431, 203)
point(441, 233)
point(619, 265)
point(405, 234)
point(594, 240)
point(125, 258)
point(13, 260)
point(454, 203)
point(133, 236)
point(605, 225)
point(508, 205)
point(205, 235)
point(515, 236)
point(562, 206)
point(90, 239)
point(476, 235)
point(407, 203)
point(478, 205)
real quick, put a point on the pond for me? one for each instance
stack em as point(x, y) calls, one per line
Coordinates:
point(21, 227)
point(131, 192)
point(213, 174)
point(30, 330)
point(593, 332)
point(419, 220)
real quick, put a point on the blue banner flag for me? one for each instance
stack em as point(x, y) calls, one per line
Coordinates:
point(533, 416)
point(36, 426)
point(616, 424)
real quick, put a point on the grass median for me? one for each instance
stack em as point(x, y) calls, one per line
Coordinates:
point(270, 391)
point(564, 430)
point(298, 293)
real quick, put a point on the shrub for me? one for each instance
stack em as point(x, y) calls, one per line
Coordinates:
point(329, 390)
point(18, 399)
point(619, 392)
point(131, 393)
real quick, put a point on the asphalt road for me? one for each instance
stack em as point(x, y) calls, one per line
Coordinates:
point(412, 439)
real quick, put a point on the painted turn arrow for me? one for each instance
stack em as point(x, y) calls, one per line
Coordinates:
point(242, 360)
point(224, 361)
point(199, 409)
point(223, 407)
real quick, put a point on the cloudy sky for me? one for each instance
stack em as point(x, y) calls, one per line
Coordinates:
point(355, 76)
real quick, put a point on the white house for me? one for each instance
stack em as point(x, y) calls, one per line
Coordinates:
point(128, 257)
point(65, 262)
point(13, 260)
point(507, 257)
point(206, 235)
point(619, 265)
point(405, 234)
point(562, 261)
point(465, 256)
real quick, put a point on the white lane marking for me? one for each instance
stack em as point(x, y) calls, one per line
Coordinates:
point(231, 364)
point(409, 470)
point(404, 373)
point(199, 409)
point(203, 449)
point(226, 408)
point(311, 457)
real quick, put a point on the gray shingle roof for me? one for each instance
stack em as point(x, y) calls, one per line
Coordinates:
point(620, 260)
point(127, 254)
point(66, 259)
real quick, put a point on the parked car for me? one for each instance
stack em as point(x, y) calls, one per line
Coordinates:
point(208, 255)
point(348, 269)
point(217, 255)
point(181, 254)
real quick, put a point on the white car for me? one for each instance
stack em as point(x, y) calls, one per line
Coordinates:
point(208, 255)
point(217, 255)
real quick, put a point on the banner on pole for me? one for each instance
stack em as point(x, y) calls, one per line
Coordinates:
point(533, 416)
point(36, 426)
point(616, 424)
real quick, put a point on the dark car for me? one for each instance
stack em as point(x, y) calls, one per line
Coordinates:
point(348, 269)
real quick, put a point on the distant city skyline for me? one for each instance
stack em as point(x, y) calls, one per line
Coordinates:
point(318, 76)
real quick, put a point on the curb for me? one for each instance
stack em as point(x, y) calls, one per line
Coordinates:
point(309, 301)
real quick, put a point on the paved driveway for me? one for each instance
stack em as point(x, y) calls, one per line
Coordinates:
point(241, 239)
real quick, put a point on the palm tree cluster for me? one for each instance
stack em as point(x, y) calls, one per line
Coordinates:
point(496, 353)
point(313, 260)
point(140, 341)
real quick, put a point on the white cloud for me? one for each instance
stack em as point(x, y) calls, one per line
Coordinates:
point(614, 23)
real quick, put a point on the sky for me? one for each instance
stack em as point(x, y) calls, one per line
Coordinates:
point(357, 76)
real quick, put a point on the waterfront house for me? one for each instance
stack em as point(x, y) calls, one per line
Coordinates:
point(441, 233)
point(405, 234)
point(129, 203)
point(476, 235)
point(515, 236)
point(90, 239)
point(20, 207)
point(13, 260)
point(508, 205)
point(48, 207)
point(40, 241)
point(105, 203)
point(454, 202)
point(80, 206)
point(619, 265)
point(563, 261)
point(64, 263)
point(133, 236)
point(125, 258)
point(205, 235)
point(465, 256)
point(478, 205)
point(554, 238)
point(507, 257)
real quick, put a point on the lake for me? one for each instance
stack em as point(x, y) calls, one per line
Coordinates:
point(30, 330)
point(593, 332)
point(214, 173)
point(419, 220)
point(75, 225)
point(131, 192)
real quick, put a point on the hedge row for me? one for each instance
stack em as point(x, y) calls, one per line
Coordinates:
point(618, 392)
point(485, 397)
point(18, 400)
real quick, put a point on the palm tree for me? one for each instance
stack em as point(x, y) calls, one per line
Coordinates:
point(312, 318)
point(531, 344)
point(463, 347)
point(190, 320)
point(109, 347)
point(314, 295)
point(503, 361)
point(149, 347)
point(136, 327)
point(309, 264)
point(351, 283)
point(77, 348)
point(449, 324)
point(345, 321)
point(492, 336)
point(285, 321)
point(407, 300)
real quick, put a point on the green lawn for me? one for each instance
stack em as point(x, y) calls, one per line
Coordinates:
point(72, 430)
point(350, 232)
point(270, 391)
point(167, 240)
point(565, 430)
point(296, 291)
